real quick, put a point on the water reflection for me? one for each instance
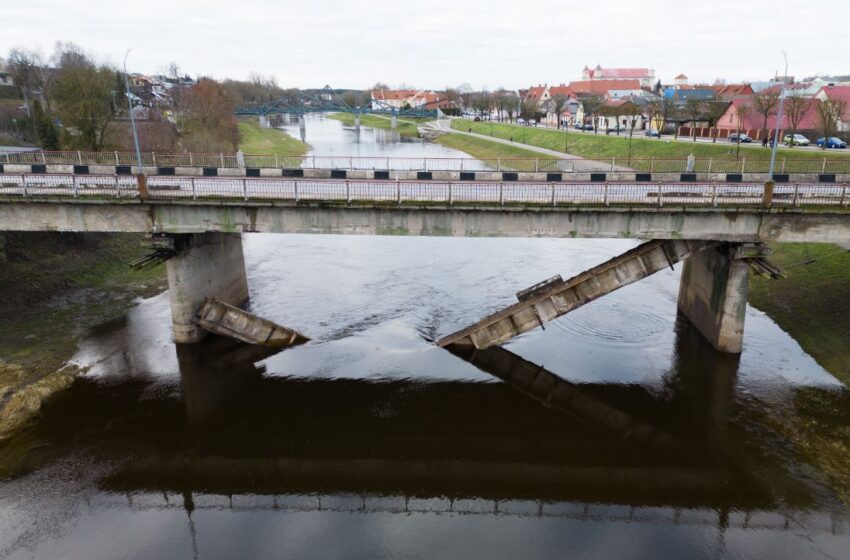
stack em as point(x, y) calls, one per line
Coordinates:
point(371, 442)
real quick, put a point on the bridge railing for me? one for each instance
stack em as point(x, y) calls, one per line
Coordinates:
point(508, 193)
point(744, 165)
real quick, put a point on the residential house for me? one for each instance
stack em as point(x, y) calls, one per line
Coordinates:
point(728, 92)
point(680, 80)
point(383, 98)
point(644, 76)
point(740, 115)
point(841, 94)
point(5, 75)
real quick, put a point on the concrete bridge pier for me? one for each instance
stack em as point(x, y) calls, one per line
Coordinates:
point(302, 129)
point(713, 295)
point(264, 121)
point(394, 122)
point(206, 264)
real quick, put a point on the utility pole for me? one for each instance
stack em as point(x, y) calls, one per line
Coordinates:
point(132, 118)
point(767, 198)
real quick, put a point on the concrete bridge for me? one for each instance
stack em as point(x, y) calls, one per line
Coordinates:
point(715, 228)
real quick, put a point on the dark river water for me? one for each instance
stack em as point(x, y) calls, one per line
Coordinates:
point(616, 432)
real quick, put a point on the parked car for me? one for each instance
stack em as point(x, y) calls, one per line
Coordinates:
point(742, 138)
point(532, 122)
point(520, 120)
point(832, 142)
point(615, 130)
point(652, 133)
point(795, 140)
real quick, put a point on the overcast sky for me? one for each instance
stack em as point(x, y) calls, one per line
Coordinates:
point(435, 43)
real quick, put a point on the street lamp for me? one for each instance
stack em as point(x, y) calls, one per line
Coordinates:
point(778, 119)
point(132, 118)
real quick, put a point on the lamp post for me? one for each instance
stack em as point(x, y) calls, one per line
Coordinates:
point(132, 118)
point(778, 120)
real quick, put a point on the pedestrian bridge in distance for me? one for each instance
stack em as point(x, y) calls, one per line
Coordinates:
point(715, 228)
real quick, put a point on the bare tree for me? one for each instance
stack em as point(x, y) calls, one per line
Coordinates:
point(556, 104)
point(694, 108)
point(742, 111)
point(830, 112)
point(658, 113)
point(715, 110)
point(591, 105)
point(796, 108)
point(765, 103)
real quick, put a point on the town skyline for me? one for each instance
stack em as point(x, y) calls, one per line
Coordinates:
point(307, 45)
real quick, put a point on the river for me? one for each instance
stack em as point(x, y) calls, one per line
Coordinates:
point(370, 442)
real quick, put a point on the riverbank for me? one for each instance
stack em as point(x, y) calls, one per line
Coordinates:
point(53, 288)
point(813, 305)
point(256, 140)
point(484, 149)
point(602, 146)
point(407, 126)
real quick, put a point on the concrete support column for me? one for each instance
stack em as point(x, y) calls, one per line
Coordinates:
point(713, 296)
point(264, 121)
point(394, 122)
point(207, 264)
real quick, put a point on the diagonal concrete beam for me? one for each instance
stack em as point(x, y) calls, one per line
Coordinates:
point(560, 297)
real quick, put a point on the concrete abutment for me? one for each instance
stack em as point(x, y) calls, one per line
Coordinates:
point(713, 296)
point(207, 264)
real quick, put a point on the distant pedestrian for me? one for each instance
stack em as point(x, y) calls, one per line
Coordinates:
point(764, 142)
point(691, 161)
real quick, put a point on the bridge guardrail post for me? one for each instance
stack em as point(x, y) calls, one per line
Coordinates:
point(296, 189)
point(660, 196)
point(117, 187)
point(710, 161)
point(117, 162)
point(501, 194)
point(552, 186)
point(843, 195)
point(142, 183)
point(398, 191)
point(796, 194)
point(613, 162)
point(605, 194)
point(153, 158)
point(194, 194)
point(24, 183)
point(714, 194)
point(783, 166)
point(74, 185)
point(651, 163)
point(347, 193)
point(498, 164)
point(743, 165)
point(221, 158)
point(191, 162)
point(536, 165)
point(245, 188)
point(450, 194)
point(767, 196)
point(823, 167)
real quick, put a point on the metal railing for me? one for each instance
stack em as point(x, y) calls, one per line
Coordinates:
point(508, 193)
point(542, 164)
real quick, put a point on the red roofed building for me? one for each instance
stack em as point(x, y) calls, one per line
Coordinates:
point(841, 94)
point(645, 76)
point(602, 87)
point(728, 92)
point(741, 115)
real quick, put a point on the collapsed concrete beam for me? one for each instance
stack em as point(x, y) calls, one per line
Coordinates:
point(557, 298)
point(227, 320)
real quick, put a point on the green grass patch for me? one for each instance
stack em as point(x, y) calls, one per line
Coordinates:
point(256, 140)
point(813, 303)
point(484, 149)
point(407, 126)
point(605, 147)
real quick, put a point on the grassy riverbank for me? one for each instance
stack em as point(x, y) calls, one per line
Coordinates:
point(256, 140)
point(407, 126)
point(484, 149)
point(53, 288)
point(813, 305)
point(602, 146)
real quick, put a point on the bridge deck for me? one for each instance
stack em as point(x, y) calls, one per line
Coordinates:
point(438, 192)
